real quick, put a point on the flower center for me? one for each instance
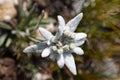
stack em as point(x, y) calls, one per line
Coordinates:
point(72, 45)
point(69, 34)
point(56, 45)
point(60, 51)
point(66, 48)
point(59, 44)
point(54, 48)
point(53, 40)
point(64, 43)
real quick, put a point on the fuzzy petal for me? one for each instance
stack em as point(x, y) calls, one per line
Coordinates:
point(46, 52)
point(61, 26)
point(79, 36)
point(48, 42)
point(45, 33)
point(60, 60)
point(70, 63)
point(61, 21)
point(78, 51)
point(37, 48)
point(59, 33)
point(52, 56)
point(73, 23)
point(79, 43)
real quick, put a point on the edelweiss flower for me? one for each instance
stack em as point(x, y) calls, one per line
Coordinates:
point(61, 45)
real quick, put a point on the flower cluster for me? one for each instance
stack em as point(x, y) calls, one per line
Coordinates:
point(61, 46)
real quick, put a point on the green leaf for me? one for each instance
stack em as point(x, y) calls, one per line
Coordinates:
point(8, 42)
point(21, 12)
point(2, 39)
point(43, 22)
point(48, 20)
point(27, 20)
point(5, 26)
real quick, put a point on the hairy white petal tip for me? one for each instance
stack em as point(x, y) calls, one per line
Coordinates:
point(70, 63)
point(60, 60)
point(45, 33)
point(80, 36)
point(78, 51)
point(29, 49)
point(36, 48)
point(61, 21)
point(46, 52)
point(73, 23)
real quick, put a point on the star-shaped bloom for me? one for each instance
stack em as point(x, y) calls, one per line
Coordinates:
point(62, 45)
